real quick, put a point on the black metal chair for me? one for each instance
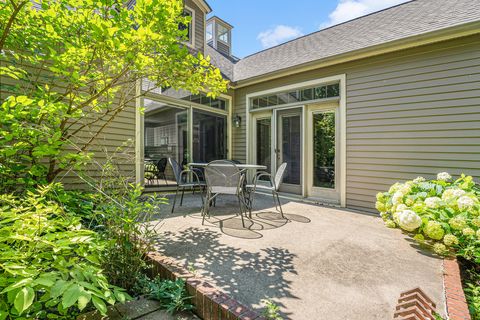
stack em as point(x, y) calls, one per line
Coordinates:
point(184, 181)
point(223, 177)
point(275, 183)
point(161, 167)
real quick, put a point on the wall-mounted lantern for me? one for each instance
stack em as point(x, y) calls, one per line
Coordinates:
point(237, 121)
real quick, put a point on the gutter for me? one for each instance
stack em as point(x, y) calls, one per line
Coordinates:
point(458, 31)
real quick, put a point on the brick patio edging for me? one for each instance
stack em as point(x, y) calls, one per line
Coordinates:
point(210, 302)
point(457, 308)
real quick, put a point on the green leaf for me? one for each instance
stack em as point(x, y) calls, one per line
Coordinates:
point(21, 283)
point(100, 305)
point(24, 299)
point(71, 296)
point(84, 299)
point(59, 288)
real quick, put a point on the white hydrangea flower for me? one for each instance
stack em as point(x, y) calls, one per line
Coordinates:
point(405, 189)
point(401, 207)
point(397, 198)
point(433, 202)
point(394, 187)
point(409, 220)
point(444, 176)
point(452, 193)
point(419, 179)
point(465, 202)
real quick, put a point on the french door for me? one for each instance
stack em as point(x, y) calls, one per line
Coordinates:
point(289, 141)
point(323, 153)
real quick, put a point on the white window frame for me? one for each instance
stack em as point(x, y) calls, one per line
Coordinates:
point(342, 107)
point(191, 35)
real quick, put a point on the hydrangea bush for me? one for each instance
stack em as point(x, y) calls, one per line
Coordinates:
point(443, 214)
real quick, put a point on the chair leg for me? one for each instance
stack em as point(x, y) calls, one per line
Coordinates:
point(274, 200)
point(181, 199)
point(241, 210)
point(206, 206)
point(280, 205)
point(175, 200)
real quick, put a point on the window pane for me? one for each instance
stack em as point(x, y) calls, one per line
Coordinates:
point(324, 150)
point(321, 92)
point(209, 31)
point(307, 94)
point(272, 100)
point(166, 136)
point(222, 33)
point(182, 26)
point(293, 97)
point(209, 136)
point(333, 90)
point(264, 131)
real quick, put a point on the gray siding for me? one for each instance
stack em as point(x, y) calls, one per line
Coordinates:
point(410, 113)
point(115, 134)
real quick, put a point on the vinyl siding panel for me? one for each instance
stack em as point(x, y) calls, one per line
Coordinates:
point(409, 113)
point(117, 133)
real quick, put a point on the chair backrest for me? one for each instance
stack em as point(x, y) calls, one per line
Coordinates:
point(223, 175)
point(162, 165)
point(279, 175)
point(176, 169)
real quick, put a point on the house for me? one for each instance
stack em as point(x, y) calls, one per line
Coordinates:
point(352, 108)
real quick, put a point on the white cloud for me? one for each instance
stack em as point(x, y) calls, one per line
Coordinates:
point(277, 35)
point(351, 9)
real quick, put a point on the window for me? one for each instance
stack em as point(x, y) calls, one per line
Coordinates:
point(187, 12)
point(209, 32)
point(222, 33)
point(294, 96)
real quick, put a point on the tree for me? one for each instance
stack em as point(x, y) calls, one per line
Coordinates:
point(70, 66)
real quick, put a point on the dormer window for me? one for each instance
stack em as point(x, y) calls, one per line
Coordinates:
point(218, 34)
point(223, 34)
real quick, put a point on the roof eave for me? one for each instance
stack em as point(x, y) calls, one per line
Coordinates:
point(203, 5)
point(458, 31)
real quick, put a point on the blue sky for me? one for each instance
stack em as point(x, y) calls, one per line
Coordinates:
point(259, 24)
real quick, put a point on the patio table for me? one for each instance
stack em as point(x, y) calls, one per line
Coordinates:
point(238, 165)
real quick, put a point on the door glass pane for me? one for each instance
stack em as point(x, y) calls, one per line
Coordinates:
point(264, 131)
point(209, 136)
point(324, 149)
point(166, 134)
point(291, 148)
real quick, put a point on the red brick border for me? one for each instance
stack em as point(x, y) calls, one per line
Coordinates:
point(457, 308)
point(210, 302)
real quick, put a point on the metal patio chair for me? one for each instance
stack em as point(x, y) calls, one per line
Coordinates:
point(273, 187)
point(183, 181)
point(223, 177)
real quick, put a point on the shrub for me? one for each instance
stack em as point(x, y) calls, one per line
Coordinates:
point(441, 214)
point(172, 295)
point(49, 265)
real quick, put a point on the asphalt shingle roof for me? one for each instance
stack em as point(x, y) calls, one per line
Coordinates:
point(406, 20)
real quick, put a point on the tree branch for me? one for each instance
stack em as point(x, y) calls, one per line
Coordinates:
point(8, 26)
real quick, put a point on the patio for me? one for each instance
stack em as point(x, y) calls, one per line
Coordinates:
point(324, 263)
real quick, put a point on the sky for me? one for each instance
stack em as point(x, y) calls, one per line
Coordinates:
point(261, 24)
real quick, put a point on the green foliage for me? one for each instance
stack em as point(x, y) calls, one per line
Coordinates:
point(128, 233)
point(440, 214)
point(471, 285)
point(271, 310)
point(49, 265)
point(76, 65)
point(172, 294)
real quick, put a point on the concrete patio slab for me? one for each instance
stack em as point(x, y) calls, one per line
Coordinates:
point(319, 263)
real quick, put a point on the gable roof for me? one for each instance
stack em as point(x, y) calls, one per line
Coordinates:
point(410, 19)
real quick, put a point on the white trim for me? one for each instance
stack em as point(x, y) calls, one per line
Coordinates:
point(191, 36)
point(203, 6)
point(139, 135)
point(341, 78)
point(343, 140)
